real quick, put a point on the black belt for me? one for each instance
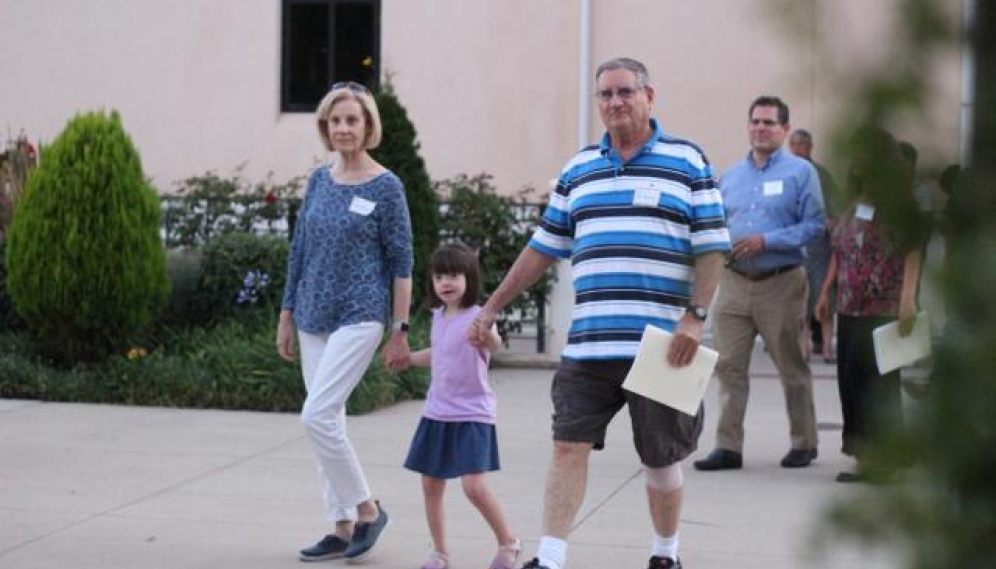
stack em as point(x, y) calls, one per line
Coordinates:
point(762, 275)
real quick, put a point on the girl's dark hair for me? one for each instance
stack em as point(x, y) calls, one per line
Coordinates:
point(455, 259)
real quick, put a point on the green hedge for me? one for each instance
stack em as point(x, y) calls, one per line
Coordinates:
point(231, 366)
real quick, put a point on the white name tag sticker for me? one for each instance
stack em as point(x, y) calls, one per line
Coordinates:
point(362, 206)
point(773, 188)
point(865, 212)
point(647, 197)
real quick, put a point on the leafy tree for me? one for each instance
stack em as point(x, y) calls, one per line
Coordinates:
point(399, 152)
point(941, 512)
point(86, 266)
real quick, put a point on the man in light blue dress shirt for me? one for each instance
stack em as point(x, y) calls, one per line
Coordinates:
point(773, 207)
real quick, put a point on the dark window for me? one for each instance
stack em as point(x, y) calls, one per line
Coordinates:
point(325, 41)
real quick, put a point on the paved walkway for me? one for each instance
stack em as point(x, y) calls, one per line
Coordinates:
point(94, 486)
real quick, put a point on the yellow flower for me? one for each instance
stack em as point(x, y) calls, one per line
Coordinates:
point(137, 353)
point(368, 61)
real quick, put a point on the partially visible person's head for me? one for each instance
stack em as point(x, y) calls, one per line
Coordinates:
point(801, 143)
point(768, 124)
point(625, 96)
point(909, 154)
point(949, 178)
point(350, 91)
point(881, 175)
point(454, 260)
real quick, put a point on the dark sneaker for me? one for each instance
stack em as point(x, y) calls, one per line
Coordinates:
point(720, 459)
point(657, 562)
point(330, 547)
point(365, 536)
point(798, 458)
point(534, 564)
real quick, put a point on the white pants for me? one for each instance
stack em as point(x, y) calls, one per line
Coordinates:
point(332, 365)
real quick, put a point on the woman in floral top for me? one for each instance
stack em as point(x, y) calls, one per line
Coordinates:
point(875, 265)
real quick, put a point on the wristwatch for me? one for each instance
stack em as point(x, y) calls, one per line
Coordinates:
point(698, 312)
point(400, 326)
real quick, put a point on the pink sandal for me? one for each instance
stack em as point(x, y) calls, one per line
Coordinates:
point(436, 560)
point(507, 556)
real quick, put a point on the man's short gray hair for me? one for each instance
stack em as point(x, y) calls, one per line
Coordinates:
point(629, 64)
point(801, 135)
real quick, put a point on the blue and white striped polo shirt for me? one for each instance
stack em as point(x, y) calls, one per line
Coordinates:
point(632, 231)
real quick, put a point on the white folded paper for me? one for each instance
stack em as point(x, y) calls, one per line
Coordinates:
point(893, 351)
point(679, 387)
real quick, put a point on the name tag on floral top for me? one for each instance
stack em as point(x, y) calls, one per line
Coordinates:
point(362, 206)
point(865, 212)
point(773, 188)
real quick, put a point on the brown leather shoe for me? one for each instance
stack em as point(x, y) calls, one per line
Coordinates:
point(720, 459)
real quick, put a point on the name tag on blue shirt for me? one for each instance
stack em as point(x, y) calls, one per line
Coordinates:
point(362, 206)
point(773, 188)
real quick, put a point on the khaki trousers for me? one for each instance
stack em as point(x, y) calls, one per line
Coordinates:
point(773, 308)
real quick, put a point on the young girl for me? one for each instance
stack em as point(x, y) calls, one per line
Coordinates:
point(456, 436)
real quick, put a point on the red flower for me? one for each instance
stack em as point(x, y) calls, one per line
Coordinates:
point(270, 197)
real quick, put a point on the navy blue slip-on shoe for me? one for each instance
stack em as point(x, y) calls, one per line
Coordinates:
point(365, 536)
point(799, 458)
point(330, 547)
point(658, 562)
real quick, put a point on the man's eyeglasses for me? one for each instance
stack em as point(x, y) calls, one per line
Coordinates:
point(765, 122)
point(624, 93)
point(351, 85)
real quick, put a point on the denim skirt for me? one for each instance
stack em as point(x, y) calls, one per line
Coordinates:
point(450, 449)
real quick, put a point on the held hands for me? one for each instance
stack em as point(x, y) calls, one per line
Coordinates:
point(748, 247)
point(479, 331)
point(685, 341)
point(397, 353)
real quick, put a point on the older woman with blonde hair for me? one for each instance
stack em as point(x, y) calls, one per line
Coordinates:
point(348, 280)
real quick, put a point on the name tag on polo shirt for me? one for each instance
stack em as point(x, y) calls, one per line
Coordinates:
point(865, 212)
point(773, 188)
point(647, 197)
point(362, 206)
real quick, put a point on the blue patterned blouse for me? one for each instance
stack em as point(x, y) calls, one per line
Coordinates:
point(350, 243)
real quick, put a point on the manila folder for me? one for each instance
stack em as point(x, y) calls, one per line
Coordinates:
point(893, 351)
point(679, 387)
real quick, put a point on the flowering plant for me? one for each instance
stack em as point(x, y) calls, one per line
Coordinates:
point(253, 287)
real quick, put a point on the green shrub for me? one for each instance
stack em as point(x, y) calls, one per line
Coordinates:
point(399, 152)
point(184, 308)
point(209, 205)
point(9, 320)
point(240, 270)
point(86, 266)
point(231, 366)
point(497, 227)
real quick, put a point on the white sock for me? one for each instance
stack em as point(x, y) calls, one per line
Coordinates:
point(665, 546)
point(552, 552)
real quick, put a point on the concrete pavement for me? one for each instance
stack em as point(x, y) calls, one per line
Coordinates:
point(94, 486)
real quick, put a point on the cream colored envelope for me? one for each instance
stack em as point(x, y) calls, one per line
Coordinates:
point(651, 376)
point(892, 351)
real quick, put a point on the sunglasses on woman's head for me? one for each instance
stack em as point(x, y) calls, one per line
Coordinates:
point(351, 85)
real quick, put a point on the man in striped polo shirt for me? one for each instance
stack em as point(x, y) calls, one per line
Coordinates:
point(642, 221)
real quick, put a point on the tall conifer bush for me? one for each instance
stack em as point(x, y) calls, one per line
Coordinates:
point(86, 265)
point(399, 152)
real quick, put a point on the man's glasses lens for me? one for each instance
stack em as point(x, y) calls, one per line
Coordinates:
point(624, 93)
